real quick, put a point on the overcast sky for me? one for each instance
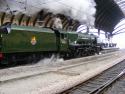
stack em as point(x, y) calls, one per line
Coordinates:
point(120, 38)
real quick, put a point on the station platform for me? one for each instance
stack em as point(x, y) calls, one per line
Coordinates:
point(55, 77)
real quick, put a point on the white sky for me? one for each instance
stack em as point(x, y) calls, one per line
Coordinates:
point(120, 38)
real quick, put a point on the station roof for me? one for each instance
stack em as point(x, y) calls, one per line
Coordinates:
point(108, 14)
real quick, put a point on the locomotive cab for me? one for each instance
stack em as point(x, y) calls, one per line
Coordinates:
point(61, 40)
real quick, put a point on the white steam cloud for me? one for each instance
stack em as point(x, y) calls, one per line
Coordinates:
point(82, 10)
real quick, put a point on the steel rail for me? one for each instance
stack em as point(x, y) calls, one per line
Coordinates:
point(99, 83)
point(108, 83)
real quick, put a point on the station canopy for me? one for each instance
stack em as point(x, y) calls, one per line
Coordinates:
point(108, 15)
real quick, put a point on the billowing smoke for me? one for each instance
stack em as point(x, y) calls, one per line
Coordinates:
point(53, 61)
point(82, 10)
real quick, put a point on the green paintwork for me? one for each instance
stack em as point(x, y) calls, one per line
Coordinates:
point(81, 38)
point(84, 38)
point(73, 36)
point(20, 37)
point(64, 42)
point(19, 40)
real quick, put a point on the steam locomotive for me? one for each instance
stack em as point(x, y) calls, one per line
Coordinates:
point(18, 43)
point(27, 38)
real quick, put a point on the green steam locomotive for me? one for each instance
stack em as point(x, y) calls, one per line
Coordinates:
point(33, 43)
point(28, 38)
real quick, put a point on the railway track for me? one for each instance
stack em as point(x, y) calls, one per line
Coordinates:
point(43, 79)
point(100, 83)
point(118, 87)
